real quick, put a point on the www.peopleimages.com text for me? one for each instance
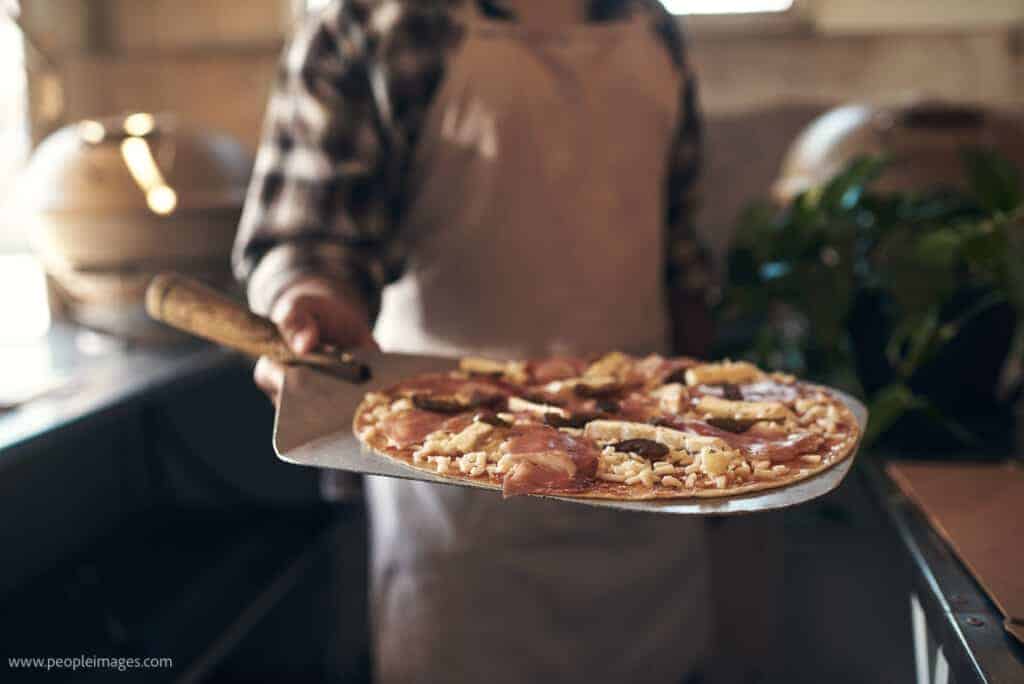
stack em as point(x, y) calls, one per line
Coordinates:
point(88, 662)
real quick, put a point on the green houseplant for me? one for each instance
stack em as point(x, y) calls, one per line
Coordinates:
point(912, 301)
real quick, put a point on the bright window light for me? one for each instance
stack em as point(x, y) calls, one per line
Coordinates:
point(13, 126)
point(24, 307)
point(726, 6)
point(679, 6)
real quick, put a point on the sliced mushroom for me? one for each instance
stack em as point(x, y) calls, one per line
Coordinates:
point(573, 420)
point(647, 448)
point(731, 391)
point(597, 390)
point(678, 375)
point(450, 404)
point(492, 419)
point(542, 398)
point(495, 402)
point(438, 404)
point(731, 424)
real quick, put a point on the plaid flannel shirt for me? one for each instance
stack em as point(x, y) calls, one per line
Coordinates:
point(329, 186)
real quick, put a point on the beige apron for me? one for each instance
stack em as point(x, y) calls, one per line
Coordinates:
point(536, 224)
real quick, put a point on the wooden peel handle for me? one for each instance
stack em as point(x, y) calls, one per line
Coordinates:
point(191, 306)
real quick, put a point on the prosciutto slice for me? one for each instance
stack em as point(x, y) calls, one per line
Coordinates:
point(786, 448)
point(661, 370)
point(556, 368)
point(756, 446)
point(639, 407)
point(437, 384)
point(412, 426)
point(543, 457)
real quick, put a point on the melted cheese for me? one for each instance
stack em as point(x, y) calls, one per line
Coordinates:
point(513, 370)
point(605, 431)
point(611, 365)
point(671, 397)
point(445, 443)
point(735, 372)
point(516, 404)
point(742, 410)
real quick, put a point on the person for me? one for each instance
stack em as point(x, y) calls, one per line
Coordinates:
point(510, 179)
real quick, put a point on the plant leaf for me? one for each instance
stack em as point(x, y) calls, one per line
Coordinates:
point(845, 190)
point(1013, 256)
point(950, 425)
point(888, 404)
point(939, 248)
point(917, 270)
point(993, 180)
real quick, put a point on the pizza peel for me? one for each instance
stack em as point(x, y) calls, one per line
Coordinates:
point(313, 424)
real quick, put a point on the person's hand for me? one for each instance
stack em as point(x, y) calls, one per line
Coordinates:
point(311, 312)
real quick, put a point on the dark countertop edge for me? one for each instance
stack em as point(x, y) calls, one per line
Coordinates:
point(962, 618)
point(159, 372)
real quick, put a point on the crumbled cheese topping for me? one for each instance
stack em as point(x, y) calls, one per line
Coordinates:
point(735, 372)
point(716, 407)
point(520, 404)
point(671, 397)
point(692, 461)
point(611, 365)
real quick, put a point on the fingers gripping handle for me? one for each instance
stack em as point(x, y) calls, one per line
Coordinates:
point(189, 305)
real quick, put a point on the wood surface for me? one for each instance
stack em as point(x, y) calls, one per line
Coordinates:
point(195, 308)
point(978, 508)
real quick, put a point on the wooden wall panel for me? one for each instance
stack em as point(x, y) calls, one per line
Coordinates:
point(227, 92)
point(156, 25)
point(745, 72)
point(210, 61)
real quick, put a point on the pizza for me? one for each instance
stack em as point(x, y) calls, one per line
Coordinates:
point(612, 427)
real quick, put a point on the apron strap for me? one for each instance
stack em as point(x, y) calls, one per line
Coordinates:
point(472, 11)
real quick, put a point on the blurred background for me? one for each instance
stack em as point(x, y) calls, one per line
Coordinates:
point(143, 510)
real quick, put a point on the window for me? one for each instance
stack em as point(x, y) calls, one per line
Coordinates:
point(727, 18)
point(726, 6)
point(13, 121)
point(679, 6)
point(22, 287)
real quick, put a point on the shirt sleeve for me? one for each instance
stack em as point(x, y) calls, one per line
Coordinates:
point(324, 196)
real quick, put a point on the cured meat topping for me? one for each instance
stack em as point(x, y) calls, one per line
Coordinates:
point(615, 426)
